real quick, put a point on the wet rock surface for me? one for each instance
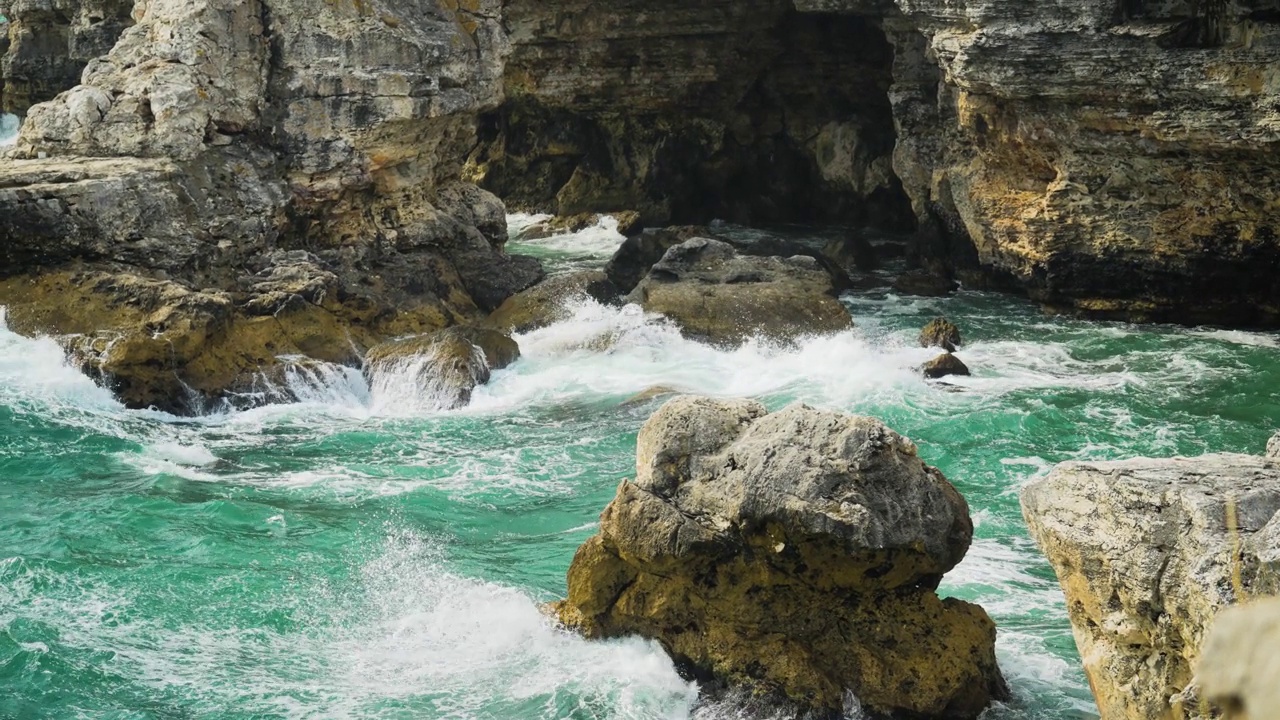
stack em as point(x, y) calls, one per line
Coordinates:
point(944, 365)
point(940, 332)
point(549, 301)
point(793, 554)
point(716, 294)
point(1148, 553)
point(443, 367)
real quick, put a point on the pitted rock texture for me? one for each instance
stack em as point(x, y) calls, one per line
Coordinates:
point(219, 141)
point(717, 294)
point(46, 44)
point(793, 554)
point(1148, 552)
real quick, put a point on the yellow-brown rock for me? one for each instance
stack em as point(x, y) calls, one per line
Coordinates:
point(793, 555)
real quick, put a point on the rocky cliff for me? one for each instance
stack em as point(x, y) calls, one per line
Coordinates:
point(307, 171)
point(1148, 553)
point(1116, 158)
point(238, 180)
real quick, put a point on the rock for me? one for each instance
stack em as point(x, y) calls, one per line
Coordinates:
point(1273, 446)
point(444, 367)
point(793, 554)
point(177, 160)
point(944, 365)
point(940, 332)
point(547, 302)
point(648, 394)
point(1239, 667)
point(48, 44)
point(1147, 558)
point(628, 224)
point(924, 282)
point(714, 293)
point(852, 252)
point(637, 254)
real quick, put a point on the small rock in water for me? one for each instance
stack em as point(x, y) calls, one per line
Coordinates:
point(447, 364)
point(940, 332)
point(944, 365)
point(719, 295)
point(923, 282)
point(546, 302)
point(648, 394)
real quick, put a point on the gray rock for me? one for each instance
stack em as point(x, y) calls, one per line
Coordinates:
point(714, 293)
point(1146, 556)
point(793, 553)
point(1273, 446)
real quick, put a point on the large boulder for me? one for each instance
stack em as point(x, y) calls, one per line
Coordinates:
point(791, 554)
point(714, 293)
point(443, 367)
point(1148, 552)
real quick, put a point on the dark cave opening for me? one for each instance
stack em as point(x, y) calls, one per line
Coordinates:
point(767, 117)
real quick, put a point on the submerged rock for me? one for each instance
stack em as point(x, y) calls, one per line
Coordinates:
point(923, 282)
point(793, 554)
point(944, 365)
point(716, 294)
point(940, 332)
point(445, 366)
point(628, 224)
point(1148, 552)
point(547, 302)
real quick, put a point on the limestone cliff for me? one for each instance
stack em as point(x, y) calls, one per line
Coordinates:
point(295, 167)
point(1148, 553)
point(1113, 158)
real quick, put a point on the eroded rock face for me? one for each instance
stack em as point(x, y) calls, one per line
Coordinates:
point(792, 553)
point(747, 111)
point(48, 44)
point(217, 139)
point(1107, 158)
point(716, 294)
point(1147, 558)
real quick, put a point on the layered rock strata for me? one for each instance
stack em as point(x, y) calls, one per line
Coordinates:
point(296, 168)
point(1113, 159)
point(792, 555)
point(1148, 553)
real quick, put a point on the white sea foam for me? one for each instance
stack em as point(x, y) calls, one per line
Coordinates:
point(10, 124)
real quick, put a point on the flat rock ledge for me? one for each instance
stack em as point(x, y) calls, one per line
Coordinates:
point(791, 555)
point(1148, 553)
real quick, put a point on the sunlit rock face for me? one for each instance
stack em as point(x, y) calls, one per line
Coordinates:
point(300, 165)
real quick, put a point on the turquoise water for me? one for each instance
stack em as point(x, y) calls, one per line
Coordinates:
point(362, 556)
